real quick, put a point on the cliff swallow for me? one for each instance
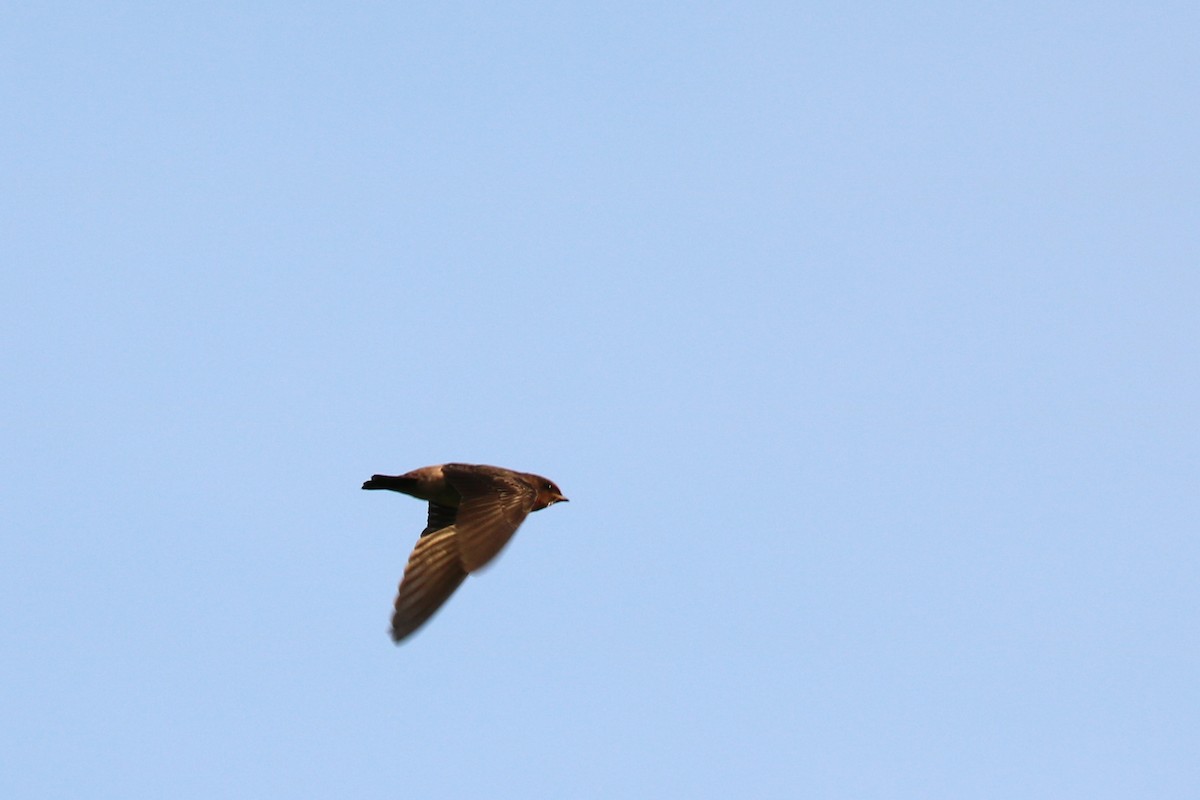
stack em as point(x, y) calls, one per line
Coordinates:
point(473, 511)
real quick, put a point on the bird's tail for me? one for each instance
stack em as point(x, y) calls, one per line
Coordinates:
point(397, 483)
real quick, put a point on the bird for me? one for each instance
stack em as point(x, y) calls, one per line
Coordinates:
point(474, 509)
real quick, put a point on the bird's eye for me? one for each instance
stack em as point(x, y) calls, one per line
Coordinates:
point(549, 486)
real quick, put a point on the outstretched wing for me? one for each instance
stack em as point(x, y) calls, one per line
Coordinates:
point(440, 516)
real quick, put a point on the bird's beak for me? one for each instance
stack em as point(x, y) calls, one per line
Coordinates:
point(561, 499)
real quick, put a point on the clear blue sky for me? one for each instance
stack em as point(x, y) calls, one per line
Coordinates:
point(862, 338)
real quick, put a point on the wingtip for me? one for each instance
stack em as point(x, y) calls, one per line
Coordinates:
point(402, 633)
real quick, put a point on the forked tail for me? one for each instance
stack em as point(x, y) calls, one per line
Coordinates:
point(397, 483)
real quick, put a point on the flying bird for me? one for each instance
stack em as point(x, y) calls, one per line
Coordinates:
point(474, 510)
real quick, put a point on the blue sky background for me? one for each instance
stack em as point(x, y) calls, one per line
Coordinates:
point(862, 338)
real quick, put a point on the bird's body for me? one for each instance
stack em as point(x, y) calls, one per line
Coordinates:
point(474, 510)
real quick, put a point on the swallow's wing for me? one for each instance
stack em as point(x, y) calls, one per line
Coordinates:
point(433, 573)
point(440, 516)
point(494, 504)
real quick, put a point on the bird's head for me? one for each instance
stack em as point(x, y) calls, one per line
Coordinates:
point(548, 492)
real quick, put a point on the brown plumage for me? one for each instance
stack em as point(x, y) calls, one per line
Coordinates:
point(474, 510)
